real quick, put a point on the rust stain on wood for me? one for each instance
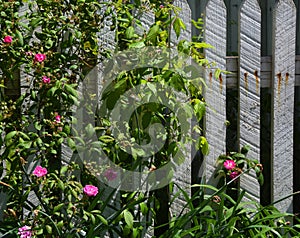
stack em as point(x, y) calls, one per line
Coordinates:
point(287, 79)
point(279, 76)
point(257, 81)
point(246, 80)
point(210, 78)
point(221, 83)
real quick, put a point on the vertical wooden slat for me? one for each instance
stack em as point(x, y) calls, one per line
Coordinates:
point(249, 88)
point(215, 128)
point(283, 101)
point(183, 172)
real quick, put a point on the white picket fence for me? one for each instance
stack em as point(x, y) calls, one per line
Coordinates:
point(257, 76)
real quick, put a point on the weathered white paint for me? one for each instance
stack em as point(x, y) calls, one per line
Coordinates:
point(183, 172)
point(249, 88)
point(283, 102)
point(215, 95)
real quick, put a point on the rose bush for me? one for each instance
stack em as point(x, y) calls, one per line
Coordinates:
point(47, 50)
point(234, 164)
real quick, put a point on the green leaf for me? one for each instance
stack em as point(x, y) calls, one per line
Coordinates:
point(144, 208)
point(199, 108)
point(137, 152)
point(203, 145)
point(49, 44)
point(60, 184)
point(26, 144)
point(102, 219)
point(177, 27)
point(129, 33)
point(60, 224)
point(10, 135)
point(106, 139)
point(49, 229)
point(245, 149)
point(39, 232)
point(63, 169)
point(58, 207)
point(71, 143)
point(139, 44)
point(35, 21)
point(90, 130)
point(152, 34)
point(20, 38)
point(128, 218)
point(51, 91)
point(260, 179)
point(71, 90)
point(200, 45)
point(37, 126)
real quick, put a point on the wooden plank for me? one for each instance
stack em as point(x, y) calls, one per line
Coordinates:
point(215, 95)
point(185, 14)
point(283, 102)
point(183, 172)
point(249, 88)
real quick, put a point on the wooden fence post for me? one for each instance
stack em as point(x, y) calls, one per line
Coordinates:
point(284, 49)
point(215, 95)
point(249, 88)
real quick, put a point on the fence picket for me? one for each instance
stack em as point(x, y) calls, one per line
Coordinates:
point(183, 173)
point(215, 95)
point(283, 102)
point(249, 87)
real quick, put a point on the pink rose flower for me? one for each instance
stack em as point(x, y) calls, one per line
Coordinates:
point(46, 79)
point(229, 164)
point(39, 57)
point(90, 190)
point(39, 171)
point(7, 39)
point(25, 232)
point(110, 174)
point(233, 174)
point(161, 6)
point(58, 119)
